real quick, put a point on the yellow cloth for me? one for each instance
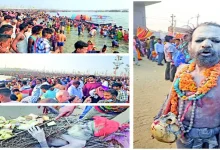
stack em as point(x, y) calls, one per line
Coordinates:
point(19, 96)
point(68, 27)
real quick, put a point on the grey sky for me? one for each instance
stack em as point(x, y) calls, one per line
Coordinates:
point(158, 15)
point(63, 62)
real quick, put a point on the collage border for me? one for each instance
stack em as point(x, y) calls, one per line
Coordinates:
point(130, 104)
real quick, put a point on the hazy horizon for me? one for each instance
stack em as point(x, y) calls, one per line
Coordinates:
point(63, 63)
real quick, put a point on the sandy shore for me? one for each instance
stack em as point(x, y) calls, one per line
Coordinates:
point(150, 90)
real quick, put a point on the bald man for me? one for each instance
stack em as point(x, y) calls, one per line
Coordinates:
point(63, 96)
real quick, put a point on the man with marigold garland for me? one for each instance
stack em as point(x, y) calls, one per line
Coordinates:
point(195, 96)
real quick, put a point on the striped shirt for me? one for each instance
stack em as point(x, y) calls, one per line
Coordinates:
point(122, 96)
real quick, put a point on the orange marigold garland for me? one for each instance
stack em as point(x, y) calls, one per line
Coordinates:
point(185, 83)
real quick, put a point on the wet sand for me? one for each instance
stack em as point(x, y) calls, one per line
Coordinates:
point(150, 90)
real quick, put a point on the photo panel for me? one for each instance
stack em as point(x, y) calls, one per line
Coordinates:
point(176, 75)
point(64, 79)
point(64, 27)
point(64, 126)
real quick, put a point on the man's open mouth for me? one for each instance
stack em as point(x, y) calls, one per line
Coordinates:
point(206, 53)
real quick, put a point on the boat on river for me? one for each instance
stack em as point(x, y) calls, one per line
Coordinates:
point(99, 20)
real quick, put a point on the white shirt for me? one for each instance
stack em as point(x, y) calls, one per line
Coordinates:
point(45, 83)
point(81, 84)
point(159, 48)
point(14, 34)
point(28, 34)
point(105, 83)
point(168, 48)
point(73, 91)
point(37, 91)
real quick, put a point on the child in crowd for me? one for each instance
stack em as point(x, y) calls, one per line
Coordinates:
point(18, 94)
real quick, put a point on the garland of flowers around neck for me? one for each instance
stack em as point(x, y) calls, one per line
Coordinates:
point(184, 83)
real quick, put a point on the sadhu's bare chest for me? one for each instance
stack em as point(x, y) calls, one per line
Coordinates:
point(207, 111)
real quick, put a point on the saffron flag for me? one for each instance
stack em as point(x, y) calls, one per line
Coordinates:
point(143, 33)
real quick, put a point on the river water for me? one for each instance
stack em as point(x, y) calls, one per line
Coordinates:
point(121, 19)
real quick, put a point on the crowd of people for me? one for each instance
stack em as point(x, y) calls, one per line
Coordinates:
point(172, 50)
point(38, 32)
point(84, 89)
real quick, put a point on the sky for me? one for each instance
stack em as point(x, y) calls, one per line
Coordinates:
point(63, 62)
point(158, 15)
point(69, 4)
